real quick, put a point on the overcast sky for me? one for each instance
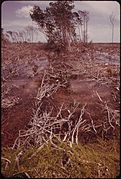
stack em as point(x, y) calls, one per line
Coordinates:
point(15, 17)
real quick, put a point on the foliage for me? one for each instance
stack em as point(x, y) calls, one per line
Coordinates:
point(56, 22)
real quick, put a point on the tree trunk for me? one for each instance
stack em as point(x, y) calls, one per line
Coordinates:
point(112, 33)
point(85, 32)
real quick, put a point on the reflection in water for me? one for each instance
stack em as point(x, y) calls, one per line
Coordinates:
point(104, 57)
point(79, 86)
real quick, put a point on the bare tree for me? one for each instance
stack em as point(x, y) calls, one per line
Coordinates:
point(30, 30)
point(84, 17)
point(16, 36)
point(10, 35)
point(112, 21)
point(4, 36)
point(86, 21)
point(79, 23)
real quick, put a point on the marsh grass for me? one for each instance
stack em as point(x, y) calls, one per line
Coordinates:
point(95, 160)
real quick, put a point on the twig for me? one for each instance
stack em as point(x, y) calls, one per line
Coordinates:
point(7, 161)
point(77, 126)
point(109, 118)
point(99, 96)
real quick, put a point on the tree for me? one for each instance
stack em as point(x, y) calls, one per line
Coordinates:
point(112, 20)
point(30, 33)
point(79, 22)
point(4, 36)
point(56, 22)
point(84, 15)
point(10, 35)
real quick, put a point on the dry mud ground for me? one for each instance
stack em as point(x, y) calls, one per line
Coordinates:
point(87, 75)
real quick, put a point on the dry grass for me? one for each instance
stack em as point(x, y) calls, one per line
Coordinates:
point(97, 160)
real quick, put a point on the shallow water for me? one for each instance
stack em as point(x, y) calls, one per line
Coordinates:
point(24, 69)
point(79, 86)
point(85, 91)
point(104, 57)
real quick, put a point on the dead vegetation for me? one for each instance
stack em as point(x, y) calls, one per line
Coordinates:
point(56, 77)
point(75, 96)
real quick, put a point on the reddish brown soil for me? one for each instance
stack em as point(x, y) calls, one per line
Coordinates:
point(14, 119)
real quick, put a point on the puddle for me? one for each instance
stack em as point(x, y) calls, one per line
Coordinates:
point(86, 91)
point(35, 66)
point(42, 62)
point(104, 57)
point(82, 86)
point(24, 87)
point(25, 69)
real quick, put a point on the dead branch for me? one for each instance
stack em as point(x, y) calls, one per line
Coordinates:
point(77, 126)
point(7, 161)
point(99, 96)
point(109, 116)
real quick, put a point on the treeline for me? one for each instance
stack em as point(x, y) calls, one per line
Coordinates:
point(28, 34)
point(60, 24)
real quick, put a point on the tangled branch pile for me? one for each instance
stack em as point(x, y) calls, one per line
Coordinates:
point(50, 121)
point(45, 126)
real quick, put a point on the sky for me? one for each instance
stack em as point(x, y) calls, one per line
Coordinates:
point(15, 17)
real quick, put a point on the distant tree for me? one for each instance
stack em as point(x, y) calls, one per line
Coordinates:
point(56, 22)
point(10, 35)
point(24, 34)
point(2, 34)
point(112, 21)
point(36, 33)
point(81, 19)
point(2, 30)
point(84, 15)
point(31, 32)
point(79, 22)
point(15, 36)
